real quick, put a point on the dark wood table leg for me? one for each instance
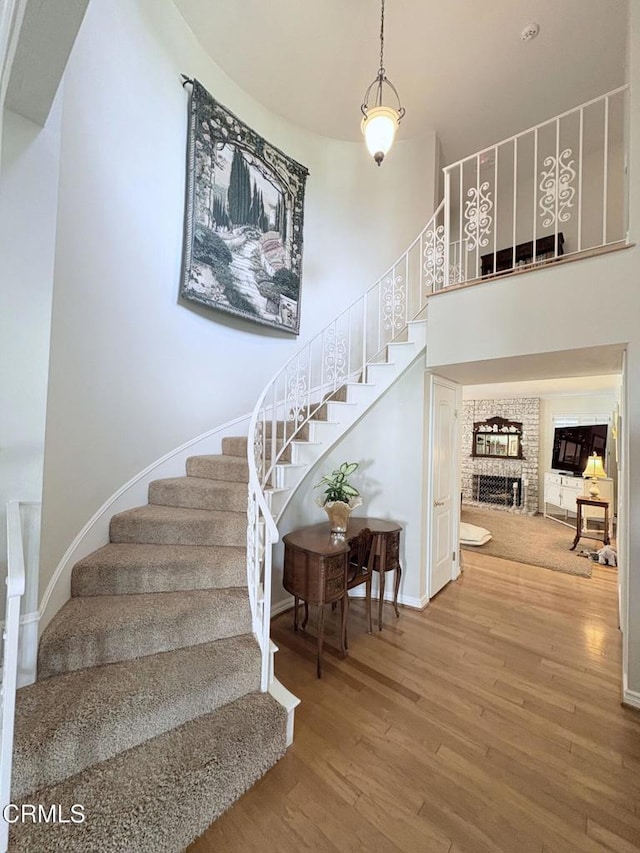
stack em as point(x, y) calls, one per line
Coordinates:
point(368, 594)
point(296, 605)
point(320, 638)
point(607, 539)
point(382, 574)
point(306, 615)
point(397, 587)
point(578, 528)
point(344, 604)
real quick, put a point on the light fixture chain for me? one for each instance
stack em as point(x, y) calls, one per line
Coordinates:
point(382, 39)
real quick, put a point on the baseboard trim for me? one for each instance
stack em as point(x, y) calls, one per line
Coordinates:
point(410, 601)
point(281, 606)
point(630, 697)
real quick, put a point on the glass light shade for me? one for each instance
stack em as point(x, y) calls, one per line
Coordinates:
point(379, 128)
point(595, 468)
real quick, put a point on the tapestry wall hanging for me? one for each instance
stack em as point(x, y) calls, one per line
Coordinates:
point(243, 221)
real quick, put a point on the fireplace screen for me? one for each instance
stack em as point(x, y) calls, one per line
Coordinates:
point(502, 491)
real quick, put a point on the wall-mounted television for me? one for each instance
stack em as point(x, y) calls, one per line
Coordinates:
point(572, 446)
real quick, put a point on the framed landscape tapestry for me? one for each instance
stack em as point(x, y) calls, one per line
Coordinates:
point(243, 222)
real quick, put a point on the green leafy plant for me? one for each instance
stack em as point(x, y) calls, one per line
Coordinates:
point(338, 487)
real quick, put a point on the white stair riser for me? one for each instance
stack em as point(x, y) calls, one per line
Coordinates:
point(341, 416)
point(418, 334)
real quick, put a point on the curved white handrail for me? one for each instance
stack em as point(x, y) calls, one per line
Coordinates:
point(15, 590)
point(338, 354)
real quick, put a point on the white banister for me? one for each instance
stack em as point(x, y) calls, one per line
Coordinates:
point(15, 590)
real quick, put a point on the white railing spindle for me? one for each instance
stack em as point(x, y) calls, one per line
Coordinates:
point(605, 175)
point(580, 153)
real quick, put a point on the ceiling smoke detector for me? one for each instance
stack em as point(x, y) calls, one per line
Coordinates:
point(530, 32)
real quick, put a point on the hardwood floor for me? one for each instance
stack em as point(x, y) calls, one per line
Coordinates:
point(489, 722)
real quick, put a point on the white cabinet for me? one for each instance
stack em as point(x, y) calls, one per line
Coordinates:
point(561, 491)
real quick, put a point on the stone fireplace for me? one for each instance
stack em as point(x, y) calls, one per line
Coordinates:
point(489, 481)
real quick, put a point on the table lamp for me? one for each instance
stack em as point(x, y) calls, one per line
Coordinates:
point(594, 471)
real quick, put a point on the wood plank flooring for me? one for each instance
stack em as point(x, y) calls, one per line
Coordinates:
point(489, 723)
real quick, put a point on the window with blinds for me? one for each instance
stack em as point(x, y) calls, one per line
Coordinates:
point(579, 420)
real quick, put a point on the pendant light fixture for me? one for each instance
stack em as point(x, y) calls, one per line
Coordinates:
point(380, 122)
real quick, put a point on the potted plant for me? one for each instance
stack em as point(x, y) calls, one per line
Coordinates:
point(340, 497)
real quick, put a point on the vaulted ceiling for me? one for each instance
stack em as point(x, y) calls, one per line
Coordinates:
point(460, 66)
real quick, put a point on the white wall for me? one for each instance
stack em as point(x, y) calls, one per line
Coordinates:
point(133, 372)
point(28, 200)
point(388, 444)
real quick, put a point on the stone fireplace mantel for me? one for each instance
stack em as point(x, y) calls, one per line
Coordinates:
point(501, 472)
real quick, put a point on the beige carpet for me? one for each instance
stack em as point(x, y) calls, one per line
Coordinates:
point(535, 540)
point(146, 708)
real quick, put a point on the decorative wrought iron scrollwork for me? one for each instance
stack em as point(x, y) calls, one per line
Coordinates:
point(556, 188)
point(297, 389)
point(393, 303)
point(477, 212)
point(253, 541)
point(335, 355)
point(433, 264)
point(259, 448)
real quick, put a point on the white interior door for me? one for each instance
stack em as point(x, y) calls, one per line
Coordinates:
point(443, 488)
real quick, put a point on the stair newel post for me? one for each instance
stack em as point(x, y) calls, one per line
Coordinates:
point(364, 334)
point(406, 288)
point(380, 308)
point(309, 377)
point(349, 344)
point(266, 610)
point(447, 230)
point(335, 355)
point(274, 435)
point(323, 363)
point(421, 271)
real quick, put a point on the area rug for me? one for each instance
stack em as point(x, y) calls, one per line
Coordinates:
point(534, 540)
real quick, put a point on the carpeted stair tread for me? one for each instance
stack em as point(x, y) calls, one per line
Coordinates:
point(164, 525)
point(234, 445)
point(285, 428)
point(71, 721)
point(219, 467)
point(238, 447)
point(159, 796)
point(94, 630)
point(127, 569)
point(199, 493)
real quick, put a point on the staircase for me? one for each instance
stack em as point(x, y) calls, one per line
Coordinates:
point(147, 710)
point(156, 706)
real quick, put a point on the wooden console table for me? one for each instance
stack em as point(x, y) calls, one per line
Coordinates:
point(315, 567)
point(589, 501)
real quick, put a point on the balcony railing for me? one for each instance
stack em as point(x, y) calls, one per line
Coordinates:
point(555, 190)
